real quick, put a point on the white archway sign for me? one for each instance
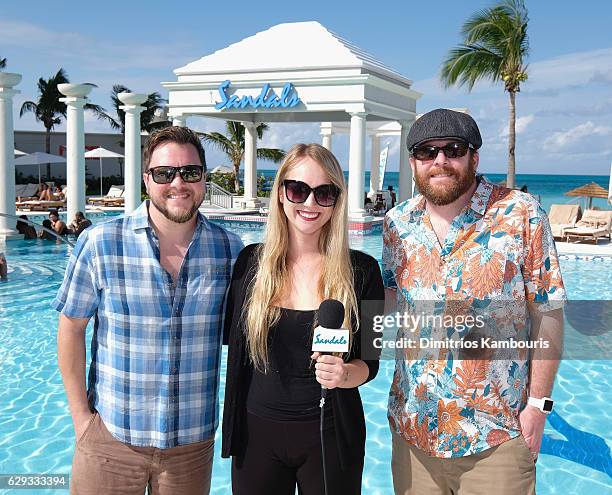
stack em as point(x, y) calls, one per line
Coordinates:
point(295, 72)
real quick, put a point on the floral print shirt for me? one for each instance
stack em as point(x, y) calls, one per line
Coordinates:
point(498, 260)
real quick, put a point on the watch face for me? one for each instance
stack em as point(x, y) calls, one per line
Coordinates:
point(548, 405)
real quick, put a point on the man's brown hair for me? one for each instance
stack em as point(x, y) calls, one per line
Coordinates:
point(172, 134)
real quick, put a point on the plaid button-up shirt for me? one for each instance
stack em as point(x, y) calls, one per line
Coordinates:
point(497, 260)
point(156, 347)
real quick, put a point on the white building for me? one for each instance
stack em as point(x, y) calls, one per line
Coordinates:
point(298, 72)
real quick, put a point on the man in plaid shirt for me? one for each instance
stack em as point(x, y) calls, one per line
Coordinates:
point(155, 282)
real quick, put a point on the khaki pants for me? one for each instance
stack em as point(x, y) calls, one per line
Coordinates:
point(104, 465)
point(508, 469)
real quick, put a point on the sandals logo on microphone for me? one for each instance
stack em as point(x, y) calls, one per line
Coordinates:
point(328, 340)
point(329, 336)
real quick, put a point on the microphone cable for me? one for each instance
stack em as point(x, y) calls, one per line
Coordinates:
point(330, 318)
point(321, 429)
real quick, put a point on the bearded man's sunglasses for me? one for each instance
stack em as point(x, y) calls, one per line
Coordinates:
point(451, 150)
point(165, 175)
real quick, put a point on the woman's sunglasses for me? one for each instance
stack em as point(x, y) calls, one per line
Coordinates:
point(165, 175)
point(297, 191)
point(451, 150)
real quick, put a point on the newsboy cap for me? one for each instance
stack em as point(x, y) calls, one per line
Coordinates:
point(443, 123)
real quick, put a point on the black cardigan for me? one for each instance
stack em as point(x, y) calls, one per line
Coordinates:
point(349, 421)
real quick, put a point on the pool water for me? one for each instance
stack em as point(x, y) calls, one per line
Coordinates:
point(36, 433)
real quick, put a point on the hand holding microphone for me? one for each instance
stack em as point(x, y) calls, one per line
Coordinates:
point(331, 371)
point(329, 336)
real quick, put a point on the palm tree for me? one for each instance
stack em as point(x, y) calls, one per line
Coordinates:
point(148, 120)
point(2, 63)
point(495, 47)
point(233, 146)
point(50, 110)
point(148, 117)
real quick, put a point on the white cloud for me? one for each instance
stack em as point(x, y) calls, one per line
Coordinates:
point(523, 122)
point(573, 69)
point(564, 139)
point(521, 125)
point(92, 54)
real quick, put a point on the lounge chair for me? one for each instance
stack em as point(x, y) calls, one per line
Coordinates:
point(40, 205)
point(593, 225)
point(25, 192)
point(563, 217)
point(114, 197)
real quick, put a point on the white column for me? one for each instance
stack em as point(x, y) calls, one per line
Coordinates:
point(327, 141)
point(327, 132)
point(405, 172)
point(357, 165)
point(179, 120)
point(7, 155)
point(250, 164)
point(133, 154)
point(75, 145)
point(374, 166)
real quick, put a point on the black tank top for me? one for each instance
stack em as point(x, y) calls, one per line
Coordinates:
point(289, 390)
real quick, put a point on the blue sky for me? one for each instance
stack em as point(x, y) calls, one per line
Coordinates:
point(564, 110)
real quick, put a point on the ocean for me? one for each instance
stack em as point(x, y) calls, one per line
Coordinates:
point(549, 189)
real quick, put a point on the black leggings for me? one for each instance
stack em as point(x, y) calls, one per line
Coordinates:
point(279, 454)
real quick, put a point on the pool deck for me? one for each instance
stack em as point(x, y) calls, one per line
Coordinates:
point(603, 248)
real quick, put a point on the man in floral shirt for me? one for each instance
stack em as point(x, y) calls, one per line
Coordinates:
point(469, 418)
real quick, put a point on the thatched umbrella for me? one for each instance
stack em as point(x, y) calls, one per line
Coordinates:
point(591, 190)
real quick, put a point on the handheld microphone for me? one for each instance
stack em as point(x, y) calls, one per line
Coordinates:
point(329, 337)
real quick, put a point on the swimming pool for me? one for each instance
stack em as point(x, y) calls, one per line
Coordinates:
point(36, 431)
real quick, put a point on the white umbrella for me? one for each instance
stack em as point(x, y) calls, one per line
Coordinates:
point(102, 153)
point(19, 153)
point(38, 158)
point(222, 169)
point(610, 186)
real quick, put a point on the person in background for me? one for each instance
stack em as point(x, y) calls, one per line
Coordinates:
point(273, 387)
point(45, 234)
point(45, 193)
point(3, 268)
point(24, 228)
point(79, 223)
point(393, 196)
point(58, 225)
point(59, 193)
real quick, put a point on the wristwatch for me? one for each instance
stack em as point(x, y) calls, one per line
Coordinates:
point(545, 404)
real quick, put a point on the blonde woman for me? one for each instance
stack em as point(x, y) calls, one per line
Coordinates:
point(273, 384)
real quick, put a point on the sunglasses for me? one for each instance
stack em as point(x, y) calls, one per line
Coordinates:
point(165, 175)
point(298, 192)
point(451, 150)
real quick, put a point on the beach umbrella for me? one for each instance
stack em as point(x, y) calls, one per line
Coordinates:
point(610, 186)
point(222, 169)
point(102, 153)
point(39, 158)
point(591, 190)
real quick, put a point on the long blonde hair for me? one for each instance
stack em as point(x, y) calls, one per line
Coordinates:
point(273, 276)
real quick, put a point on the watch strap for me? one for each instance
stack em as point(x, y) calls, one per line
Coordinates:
point(544, 404)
